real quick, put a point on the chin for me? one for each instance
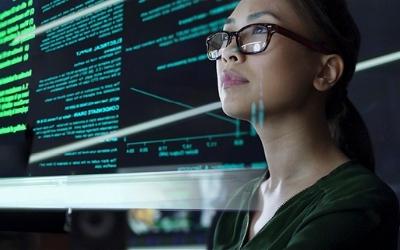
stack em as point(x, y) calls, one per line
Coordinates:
point(236, 111)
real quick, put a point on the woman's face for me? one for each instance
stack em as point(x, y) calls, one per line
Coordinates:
point(281, 77)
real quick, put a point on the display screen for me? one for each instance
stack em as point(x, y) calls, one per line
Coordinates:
point(74, 70)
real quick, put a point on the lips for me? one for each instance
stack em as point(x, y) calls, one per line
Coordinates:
point(231, 78)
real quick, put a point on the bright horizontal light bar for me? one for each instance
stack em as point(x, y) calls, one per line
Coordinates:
point(69, 18)
point(206, 189)
point(378, 61)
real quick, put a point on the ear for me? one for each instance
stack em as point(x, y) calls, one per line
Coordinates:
point(331, 70)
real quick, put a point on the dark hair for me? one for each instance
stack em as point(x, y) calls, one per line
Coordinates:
point(337, 29)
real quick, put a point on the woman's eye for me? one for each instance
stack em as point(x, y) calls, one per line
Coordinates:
point(259, 30)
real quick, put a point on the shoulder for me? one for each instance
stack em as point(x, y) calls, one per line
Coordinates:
point(355, 202)
point(354, 189)
point(354, 186)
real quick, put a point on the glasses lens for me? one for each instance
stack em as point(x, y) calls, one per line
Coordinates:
point(253, 39)
point(215, 44)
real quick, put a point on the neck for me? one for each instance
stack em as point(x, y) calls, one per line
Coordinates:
point(298, 149)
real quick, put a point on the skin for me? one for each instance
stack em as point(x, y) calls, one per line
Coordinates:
point(292, 82)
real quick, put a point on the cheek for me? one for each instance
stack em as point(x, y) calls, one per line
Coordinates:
point(284, 81)
point(281, 79)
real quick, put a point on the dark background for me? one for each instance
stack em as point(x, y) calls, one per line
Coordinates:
point(375, 92)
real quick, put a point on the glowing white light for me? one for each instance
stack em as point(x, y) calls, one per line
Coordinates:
point(69, 18)
point(378, 61)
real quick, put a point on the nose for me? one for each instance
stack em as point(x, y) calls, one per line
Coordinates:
point(231, 53)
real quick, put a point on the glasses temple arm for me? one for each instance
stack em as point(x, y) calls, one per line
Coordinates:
point(306, 42)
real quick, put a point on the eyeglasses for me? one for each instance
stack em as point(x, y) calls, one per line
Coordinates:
point(254, 38)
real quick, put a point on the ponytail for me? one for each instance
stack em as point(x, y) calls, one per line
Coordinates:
point(336, 28)
point(351, 135)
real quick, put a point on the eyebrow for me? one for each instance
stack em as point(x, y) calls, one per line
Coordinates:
point(253, 16)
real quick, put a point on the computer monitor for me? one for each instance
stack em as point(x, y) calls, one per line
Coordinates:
point(110, 98)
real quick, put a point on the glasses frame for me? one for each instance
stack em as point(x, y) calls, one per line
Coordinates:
point(272, 29)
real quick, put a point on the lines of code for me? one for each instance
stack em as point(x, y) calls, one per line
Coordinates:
point(188, 33)
point(97, 25)
point(16, 20)
point(181, 36)
point(167, 9)
point(84, 90)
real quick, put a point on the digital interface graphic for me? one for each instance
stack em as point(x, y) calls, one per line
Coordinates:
point(126, 64)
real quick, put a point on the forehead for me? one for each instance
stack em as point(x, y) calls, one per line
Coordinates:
point(255, 5)
point(277, 11)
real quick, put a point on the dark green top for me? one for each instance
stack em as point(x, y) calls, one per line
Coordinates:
point(350, 208)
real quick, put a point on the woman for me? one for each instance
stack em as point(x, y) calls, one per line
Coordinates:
point(284, 66)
